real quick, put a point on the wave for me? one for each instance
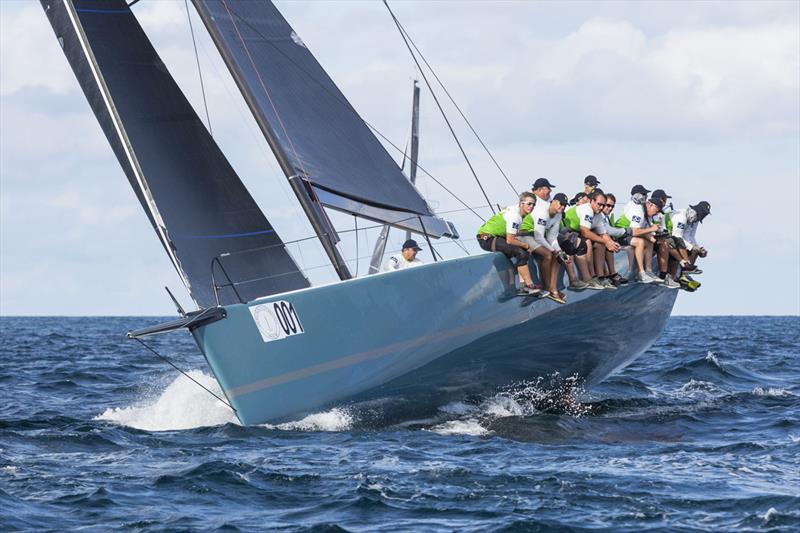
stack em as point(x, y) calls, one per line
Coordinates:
point(182, 405)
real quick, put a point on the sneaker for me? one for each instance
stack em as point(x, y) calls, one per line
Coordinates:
point(556, 298)
point(656, 279)
point(607, 284)
point(687, 280)
point(595, 285)
point(696, 271)
point(578, 285)
point(669, 283)
point(618, 280)
point(645, 277)
point(688, 267)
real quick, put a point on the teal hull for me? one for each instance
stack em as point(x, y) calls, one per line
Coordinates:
point(440, 331)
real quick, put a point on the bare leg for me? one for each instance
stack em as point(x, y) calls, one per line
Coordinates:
point(693, 255)
point(590, 257)
point(663, 255)
point(612, 269)
point(524, 274)
point(648, 255)
point(555, 272)
point(638, 250)
point(545, 258)
point(599, 253)
point(583, 267)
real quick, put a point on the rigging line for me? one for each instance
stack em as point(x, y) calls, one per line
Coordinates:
point(350, 108)
point(458, 108)
point(199, 71)
point(173, 365)
point(439, 105)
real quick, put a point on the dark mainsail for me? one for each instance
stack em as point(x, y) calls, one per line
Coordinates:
point(192, 196)
point(312, 128)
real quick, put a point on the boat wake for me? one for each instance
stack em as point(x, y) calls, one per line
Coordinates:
point(182, 405)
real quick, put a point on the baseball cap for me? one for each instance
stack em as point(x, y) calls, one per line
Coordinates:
point(561, 198)
point(659, 193)
point(411, 243)
point(639, 189)
point(703, 209)
point(542, 182)
point(577, 198)
point(658, 201)
point(591, 181)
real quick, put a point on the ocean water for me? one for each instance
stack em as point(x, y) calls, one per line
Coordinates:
point(701, 433)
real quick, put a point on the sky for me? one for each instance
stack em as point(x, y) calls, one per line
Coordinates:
point(701, 99)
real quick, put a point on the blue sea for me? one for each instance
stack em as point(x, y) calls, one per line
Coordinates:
point(701, 433)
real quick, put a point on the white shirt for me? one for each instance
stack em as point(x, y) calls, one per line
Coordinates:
point(588, 219)
point(684, 229)
point(635, 214)
point(546, 227)
point(513, 219)
point(398, 262)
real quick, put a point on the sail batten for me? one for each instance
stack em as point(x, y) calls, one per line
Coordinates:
point(197, 204)
point(312, 128)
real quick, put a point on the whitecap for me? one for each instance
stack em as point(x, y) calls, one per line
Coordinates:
point(182, 405)
point(770, 514)
point(774, 392)
point(336, 419)
point(461, 427)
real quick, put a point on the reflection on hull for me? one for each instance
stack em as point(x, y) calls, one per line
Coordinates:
point(444, 330)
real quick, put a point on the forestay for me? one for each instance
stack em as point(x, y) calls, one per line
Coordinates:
point(191, 194)
point(312, 128)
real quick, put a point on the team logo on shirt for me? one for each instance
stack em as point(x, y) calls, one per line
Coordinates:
point(587, 218)
point(514, 225)
point(636, 218)
point(541, 221)
point(681, 225)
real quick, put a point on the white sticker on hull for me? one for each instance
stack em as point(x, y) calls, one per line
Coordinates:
point(276, 320)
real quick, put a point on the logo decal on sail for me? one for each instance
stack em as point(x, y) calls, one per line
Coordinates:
point(297, 40)
point(276, 320)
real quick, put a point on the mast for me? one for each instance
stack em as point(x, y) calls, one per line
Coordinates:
point(414, 139)
point(299, 181)
point(380, 243)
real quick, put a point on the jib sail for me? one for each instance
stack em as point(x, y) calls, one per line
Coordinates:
point(191, 194)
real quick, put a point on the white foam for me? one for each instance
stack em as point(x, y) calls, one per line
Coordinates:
point(711, 357)
point(182, 405)
point(501, 406)
point(794, 438)
point(461, 427)
point(772, 391)
point(772, 512)
point(337, 419)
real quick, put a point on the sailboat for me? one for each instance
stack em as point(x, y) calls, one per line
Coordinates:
point(278, 346)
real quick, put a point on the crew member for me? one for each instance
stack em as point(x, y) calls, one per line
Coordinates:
point(590, 183)
point(540, 231)
point(584, 220)
point(620, 235)
point(634, 217)
point(407, 258)
point(499, 234)
point(684, 229)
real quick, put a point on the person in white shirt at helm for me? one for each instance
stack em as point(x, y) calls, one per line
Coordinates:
point(635, 216)
point(407, 258)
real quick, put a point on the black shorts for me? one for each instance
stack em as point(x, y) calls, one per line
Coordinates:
point(571, 243)
point(623, 240)
point(678, 243)
point(517, 255)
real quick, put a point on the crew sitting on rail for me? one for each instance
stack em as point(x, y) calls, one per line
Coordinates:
point(587, 219)
point(634, 216)
point(539, 231)
point(407, 257)
point(666, 252)
point(684, 229)
point(620, 235)
point(499, 234)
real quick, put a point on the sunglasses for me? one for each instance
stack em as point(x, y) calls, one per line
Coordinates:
point(529, 204)
point(600, 205)
point(611, 205)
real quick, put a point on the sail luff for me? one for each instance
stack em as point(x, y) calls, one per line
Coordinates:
point(201, 211)
point(144, 190)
